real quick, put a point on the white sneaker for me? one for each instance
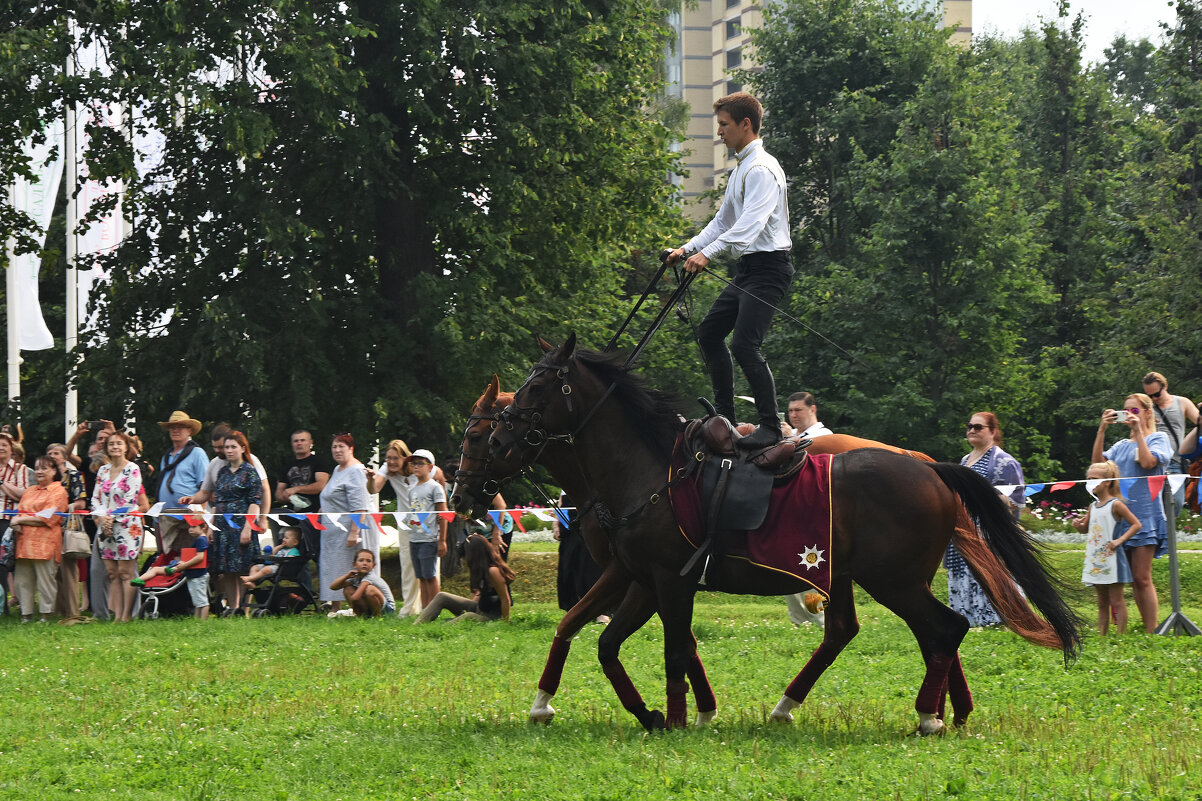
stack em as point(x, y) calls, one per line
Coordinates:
point(343, 613)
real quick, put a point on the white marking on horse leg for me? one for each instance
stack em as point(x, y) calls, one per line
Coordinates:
point(783, 713)
point(703, 718)
point(929, 724)
point(542, 711)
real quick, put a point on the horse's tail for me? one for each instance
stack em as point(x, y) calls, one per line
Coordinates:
point(999, 552)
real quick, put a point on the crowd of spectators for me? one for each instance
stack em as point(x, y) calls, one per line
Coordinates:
point(107, 490)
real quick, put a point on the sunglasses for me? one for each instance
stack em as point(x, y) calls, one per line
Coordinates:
point(975, 426)
point(1155, 394)
point(1135, 410)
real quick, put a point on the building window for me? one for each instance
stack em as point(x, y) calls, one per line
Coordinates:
point(734, 27)
point(733, 3)
point(734, 58)
point(732, 87)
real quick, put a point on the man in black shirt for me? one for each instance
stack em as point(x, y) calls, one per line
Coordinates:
point(300, 489)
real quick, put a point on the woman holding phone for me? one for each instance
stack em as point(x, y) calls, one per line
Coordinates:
point(1145, 452)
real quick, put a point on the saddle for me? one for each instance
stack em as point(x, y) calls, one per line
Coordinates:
point(735, 483)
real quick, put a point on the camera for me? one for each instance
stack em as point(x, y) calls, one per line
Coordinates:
point(1120, 416)
point(95, 425)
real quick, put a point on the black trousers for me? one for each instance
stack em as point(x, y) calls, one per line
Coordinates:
point(767, 277)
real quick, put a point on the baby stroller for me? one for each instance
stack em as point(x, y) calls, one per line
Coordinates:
point(288, 591)
point(163, 596)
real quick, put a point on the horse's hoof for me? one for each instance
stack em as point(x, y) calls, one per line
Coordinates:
point(704, 718)
point(542, 714)
point(783, 711)
point(928, 724)
point(654, 720)
point(959, 721)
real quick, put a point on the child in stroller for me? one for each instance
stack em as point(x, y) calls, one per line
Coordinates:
point(291, 589)
point(184, 565)
point(289, 546)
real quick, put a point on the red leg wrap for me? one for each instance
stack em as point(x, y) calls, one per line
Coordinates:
point(624, 687)
point(553, 671)
point(702, 691)
point(957, 687)
point(934, 685)
point(678, 703)
point(804, 681)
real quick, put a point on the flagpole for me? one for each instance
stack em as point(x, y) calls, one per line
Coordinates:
point(10, 292)
point(71, 338)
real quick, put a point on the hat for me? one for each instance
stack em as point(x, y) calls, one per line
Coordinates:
point(181, 418)
point(421, 453)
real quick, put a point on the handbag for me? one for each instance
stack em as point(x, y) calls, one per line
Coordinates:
point(75, 541)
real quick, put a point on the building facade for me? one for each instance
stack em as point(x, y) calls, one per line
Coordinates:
point(712, 43)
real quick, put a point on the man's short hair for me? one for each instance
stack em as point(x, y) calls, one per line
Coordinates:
point(301, 431)
point(1156, 378)
point(804, 397)
point(741, 106)
point(220, 432)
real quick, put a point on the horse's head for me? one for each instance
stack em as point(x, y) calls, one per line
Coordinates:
point(542, 408)
point(479, 475)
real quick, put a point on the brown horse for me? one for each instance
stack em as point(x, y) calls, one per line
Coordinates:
point(892, 518)
point(478, 480)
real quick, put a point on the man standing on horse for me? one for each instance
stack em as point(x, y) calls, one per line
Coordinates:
point(753, 223)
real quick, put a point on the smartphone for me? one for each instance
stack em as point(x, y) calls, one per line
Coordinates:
point(95, 425)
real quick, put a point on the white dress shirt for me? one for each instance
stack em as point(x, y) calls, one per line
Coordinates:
point(816, 430)
point(754, 215)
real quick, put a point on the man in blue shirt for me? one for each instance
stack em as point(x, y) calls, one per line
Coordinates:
point(181, 472)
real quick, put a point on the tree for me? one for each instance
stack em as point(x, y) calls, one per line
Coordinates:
point(362, 210)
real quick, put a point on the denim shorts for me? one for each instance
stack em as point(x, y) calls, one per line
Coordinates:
point(198, 588)
point(424, 556)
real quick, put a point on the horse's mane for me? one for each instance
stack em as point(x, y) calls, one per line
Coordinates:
point(655, 414)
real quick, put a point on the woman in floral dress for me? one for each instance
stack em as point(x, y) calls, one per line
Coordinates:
point(118, 485)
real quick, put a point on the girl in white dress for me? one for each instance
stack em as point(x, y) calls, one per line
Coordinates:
point(1106, 566)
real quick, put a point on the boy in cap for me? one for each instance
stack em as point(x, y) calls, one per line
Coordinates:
point(427, 528)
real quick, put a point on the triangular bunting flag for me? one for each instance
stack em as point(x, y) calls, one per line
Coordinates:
point(1063, 485)
point(229, 521)
point(45, 514)
point(448, 516)
point(496, 517)
point(314, 520)
point(156, 509)
point(1004, 489)
point(279, 521)
point(192, 520)
point(336, 519)
point(517, 520)
point(1155, 484)
point(1032, 489)
point(254, 522)
point(379, 518)
point(1177, 481)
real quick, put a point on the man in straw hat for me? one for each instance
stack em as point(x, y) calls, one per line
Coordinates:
point(181, 472)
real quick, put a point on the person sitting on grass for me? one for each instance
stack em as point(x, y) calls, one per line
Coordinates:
point(367, 594)
point(489, 577)
point(192, 559)
point(289, 546)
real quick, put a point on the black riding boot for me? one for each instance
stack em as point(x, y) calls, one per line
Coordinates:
point(763, 387)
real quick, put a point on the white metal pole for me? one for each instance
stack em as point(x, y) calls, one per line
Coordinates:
point(10, 292)
point(71, 338)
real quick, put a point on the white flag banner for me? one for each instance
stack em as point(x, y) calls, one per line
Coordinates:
point(105, 234)
point(36, 199)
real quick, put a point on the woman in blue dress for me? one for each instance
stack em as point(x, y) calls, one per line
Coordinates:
point(238, 492)
point(987, 459)
point(1145, 452)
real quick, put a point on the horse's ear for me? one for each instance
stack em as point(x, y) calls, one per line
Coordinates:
point(490, 393)
point(545, 345)
point(566, 350)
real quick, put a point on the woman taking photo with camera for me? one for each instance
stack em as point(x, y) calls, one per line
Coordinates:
point(1145, 452)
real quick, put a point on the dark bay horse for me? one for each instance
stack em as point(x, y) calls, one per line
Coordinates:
point(892, 517)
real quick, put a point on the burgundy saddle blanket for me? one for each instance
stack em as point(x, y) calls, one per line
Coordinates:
point(795, 537)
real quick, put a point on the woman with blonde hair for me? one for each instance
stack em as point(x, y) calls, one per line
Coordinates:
point(1145, 452)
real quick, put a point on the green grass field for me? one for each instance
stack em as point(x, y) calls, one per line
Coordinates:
point(307, 707)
